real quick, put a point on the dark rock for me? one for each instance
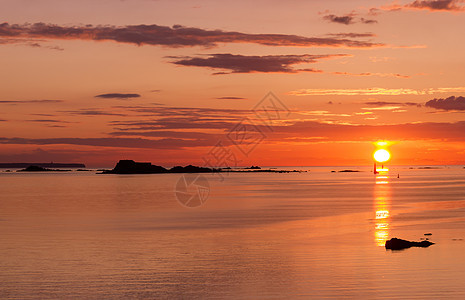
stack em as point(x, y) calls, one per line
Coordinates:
point(429, 233)
point(43, 165)
point(399, 244)
point(348, 171)
point(41, 169)
point(253, 168)
point(132, 167)
point(190, 169)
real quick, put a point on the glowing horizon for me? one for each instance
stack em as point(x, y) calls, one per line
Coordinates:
point(166, 81)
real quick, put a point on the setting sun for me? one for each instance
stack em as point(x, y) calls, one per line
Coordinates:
point(381, 155)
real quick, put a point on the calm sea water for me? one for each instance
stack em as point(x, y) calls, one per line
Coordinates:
point(258, 235)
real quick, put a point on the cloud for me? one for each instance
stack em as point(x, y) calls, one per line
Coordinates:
point(352, 34)
point(435, 5)
point(92, 112)
point(299, 130)
point(353, 92)
point(450, 103)
point(174, 37)
point(387, 103)
point(396, 75)
point(30, 42)
point(348, 19)
point(117, 96)
point(41, 155)
point(253, 64)
point(165, 143)
point(382, 108)
point(230, 98)
point(345, 19)
point(14, 102)
point(374, 91)
point(47, 121)
point(368, 21)
point(431, 5)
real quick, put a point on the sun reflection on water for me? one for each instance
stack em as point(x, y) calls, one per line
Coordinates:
point(382, 201)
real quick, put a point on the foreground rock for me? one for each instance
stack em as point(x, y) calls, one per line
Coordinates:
point(399, 244)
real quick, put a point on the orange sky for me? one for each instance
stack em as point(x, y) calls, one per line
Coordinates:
point(166, 81)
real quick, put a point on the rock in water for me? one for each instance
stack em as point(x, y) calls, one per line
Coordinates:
point(399, 244)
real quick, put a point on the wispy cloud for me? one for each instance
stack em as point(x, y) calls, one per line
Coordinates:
point(395, 75)
point(117, 96)
point(353, 92)
point(253, 64)
point(388, 103)
point(15, 102)
point(164, 143)
point(299, 130)
point(352, 35)
point(92, 112)
point(431, 5)
point(230, 98)
point(176, 36)
point(373, 91)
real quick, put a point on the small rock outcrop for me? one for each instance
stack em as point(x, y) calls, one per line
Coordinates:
point(190, 169)
point(399, 244)
point(132, 167)
point(41, 169)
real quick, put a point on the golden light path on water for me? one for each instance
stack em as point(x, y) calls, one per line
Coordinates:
point(382, 203)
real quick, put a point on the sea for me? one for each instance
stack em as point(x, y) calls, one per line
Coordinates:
point(317, 233)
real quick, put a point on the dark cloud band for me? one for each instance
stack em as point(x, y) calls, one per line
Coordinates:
point(176, 36)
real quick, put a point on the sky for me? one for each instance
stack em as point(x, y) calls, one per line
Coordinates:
point(232, 83)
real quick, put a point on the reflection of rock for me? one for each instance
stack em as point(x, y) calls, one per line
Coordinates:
point(399, 244)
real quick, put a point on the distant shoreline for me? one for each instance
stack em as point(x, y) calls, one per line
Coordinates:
point(43, 165)
point(132, 167)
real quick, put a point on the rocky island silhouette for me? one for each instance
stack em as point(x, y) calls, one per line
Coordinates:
point(127, 166)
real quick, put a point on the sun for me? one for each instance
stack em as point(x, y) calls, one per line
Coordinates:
point(382, 155)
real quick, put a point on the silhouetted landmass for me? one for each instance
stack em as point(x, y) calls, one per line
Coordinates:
point(348, 171)
point(399, 244)
point(191, 169)
point(263, 171)
point(41, 169)
point(132, 167)
point(43, 165)
point(427, 168)
point(254, 168)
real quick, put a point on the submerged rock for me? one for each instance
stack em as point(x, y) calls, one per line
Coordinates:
point(399, 244)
